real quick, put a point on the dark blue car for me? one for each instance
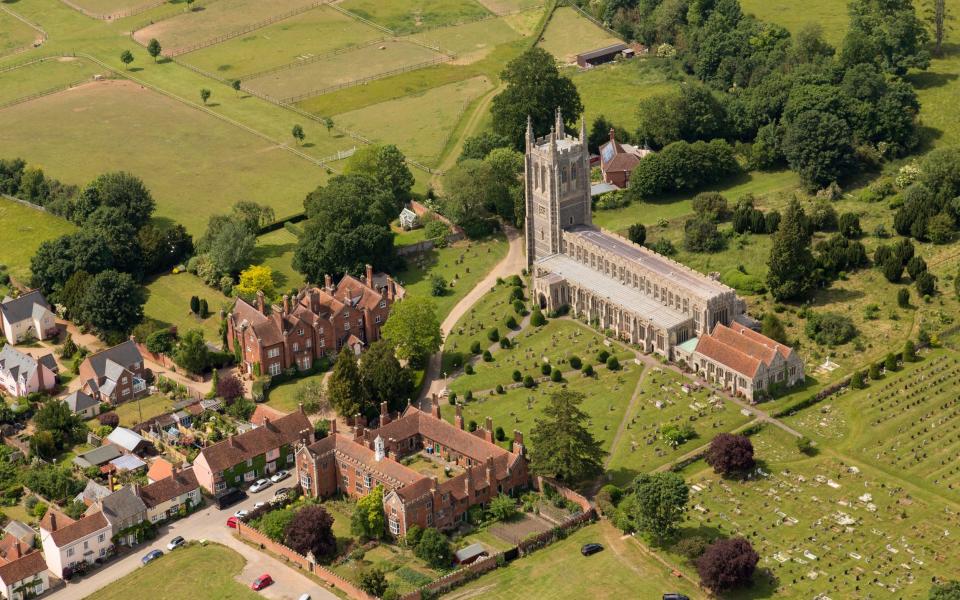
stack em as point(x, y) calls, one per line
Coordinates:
point(151, 556)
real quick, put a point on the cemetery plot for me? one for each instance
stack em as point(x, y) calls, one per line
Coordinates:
point(668, 405)
point(490, 311)
point(412, 16)
point(191, 30)
point(314, 78)
point(300, 39)
point(44, 76)
point(824, 526)
point(569, 34)
point(420, 124)
point(14, 33)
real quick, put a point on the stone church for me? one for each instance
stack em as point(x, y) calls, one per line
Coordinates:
point(644, 298)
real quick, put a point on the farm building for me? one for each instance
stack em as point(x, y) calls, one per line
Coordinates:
point(603, 55)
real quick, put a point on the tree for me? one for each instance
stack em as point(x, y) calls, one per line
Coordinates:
point(382, 379)
point(192, 353)
point(59, 260)
point(926, 284)
point(368, 520)
point(230, 388)
point(438, 285)
point(773, 328)
point(857, 380)
point(730, 453)
point(849, 226)
point(657, 506)
point(153, 48)
point(313, 396)
point(888, 34)
point(328, 124)
point(298, 134)
point(256, 278)
point(909, 351)
point(163, 247)
point(120, 190)
point(113, 302)
point(204, 309)
point(162, 341)
point(830, 329)
point(692, 113)
point(275, 522)
point(947, 590)
point(373, 581)
point(126, 57)
point(817, 146)
point(230, 246)
point(64, 427)
point(413, 328)
point(726, 564)
point(434, 548)
point(235, 84)
point(387, 165)
point(682, 166)
point(344, 389)
point(480, 145)
point(701, 235)
point(890, 362)
point(562, 445)
point(790, 276)
point(471, 192)
point(637, 233)
point(311, 530)
point(503, 508)
point(534, 90)
point(937, 17)
point(195, 304)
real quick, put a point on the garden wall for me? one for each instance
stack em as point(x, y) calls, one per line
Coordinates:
point(458, 577)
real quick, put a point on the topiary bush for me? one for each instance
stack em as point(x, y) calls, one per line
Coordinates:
point(575, 362)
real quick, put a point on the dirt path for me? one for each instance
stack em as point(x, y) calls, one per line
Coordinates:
point(470, 128)
point(631, 408)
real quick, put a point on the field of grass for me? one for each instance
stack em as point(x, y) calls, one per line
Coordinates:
point(937, 87)
point(411, 16)
point(614, 90)
point(275, 250)
point(313, 33)
point(357, 63)
point(116, 125)
point(502, 7)
point(419, 124)
point(137, 411)
point(14, 33)
point(829, 14)
point(569, 34)
point(25, 229)
point(283, 396)
point(217, 19)
point(168, 301)
point(44, 76)
point(109, 7)
point(200, 572)
point(560, 571)
point(471, 41)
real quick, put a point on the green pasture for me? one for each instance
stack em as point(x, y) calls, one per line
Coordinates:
point(25, 228)
point(44, 76)
point(168, 302)
point(471, 41)
point(275, 250)
point(828, 14)
point(614, 90)
point(938, 89)
point(569, 34)
point(412, 16)
point(109, 7)
point(503, 7)
point(14, 33)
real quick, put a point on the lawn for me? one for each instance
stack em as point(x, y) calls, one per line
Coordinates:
point(464, 264)
point(307, 35)
point(614, 90)
point(569, 34)
point(14, 33)
point(502, 7)
point(117, 125)
point(412, 16)
point(357, 63)
point(200, 572)
point(25, 229)
point(471, 41)
point(284, 396)
point(419, 124)
point(937, 89)
point(44, 76)
point(168, 301)
point(275, 250)
point(223, 17)
point(621, 570)
point(828, 14)
point(138, 411)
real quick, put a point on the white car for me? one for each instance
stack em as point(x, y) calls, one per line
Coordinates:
point(260, 484)
point(280, 476)
point(241, 514)
point(176, 543)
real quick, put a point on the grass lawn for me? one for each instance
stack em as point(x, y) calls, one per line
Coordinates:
point(464, 264)
point(138, 411)
point(560, 571)
point(490, 311)
point(569, 34)
point(44, 76)
point(357, 63)
point(501, 7)
point(615, 90)
point(168, 301)
point(419, 124)
point(108, 7)
point(14, 33)
point(829, 14)
point(407, 238)
point(284, 396)
point(25, 229)
point(472, 41)
point(200, 572)
point(116, 125)
point(937, 89)
point(313, 33)
point(275, 250)
point(411, 16)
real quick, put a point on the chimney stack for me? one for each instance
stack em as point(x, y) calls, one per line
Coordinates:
point(459, 419)
point(231, 442)
point(53, 518)
point(261, 302)
point(490, 473)
point(359, 423)
point(393, 288)
point(328, 282)
point(468, 485)
point(517, 441)
point(369, 270)
point(110, 481)
point(434, 484)
point(434, 406)
point(612, 135)
point(488, 435)
point(333, 426)
point(384, 414)
point(286, 304)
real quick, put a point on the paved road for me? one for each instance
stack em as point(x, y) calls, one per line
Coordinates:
point(208, 524)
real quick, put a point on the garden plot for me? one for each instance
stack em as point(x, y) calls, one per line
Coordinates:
point(44, 76)
point(824, 526)
point(216, 20)
point(569, 34)
point(15, 34)
point(412, 16)
point(300, 39)
point(314, 78)
point(665, 399)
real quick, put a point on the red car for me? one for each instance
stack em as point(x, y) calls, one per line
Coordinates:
point(232, 522)
point(261, 582)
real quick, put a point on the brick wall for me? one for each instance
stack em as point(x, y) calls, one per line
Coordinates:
point(458, 577)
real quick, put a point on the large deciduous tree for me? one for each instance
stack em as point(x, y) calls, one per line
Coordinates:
point(413, 328)
point(368, 521)
point(387, 165)
point(112, 302)
point(311, 530)
point(730, 453)
point(382, 379)
point(192, 353)
point(817, 146)
point(562, 446)
point(119, 190)
point(726, 564)
point(887, 33)
point(655, 505)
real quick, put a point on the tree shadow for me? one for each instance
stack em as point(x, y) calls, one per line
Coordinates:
point(164, 60)
point(928, 135)
point(833, 295)
point(927, 79)
point(134, 69)
point(212, 105)
point(308, 145)
point(162, 222)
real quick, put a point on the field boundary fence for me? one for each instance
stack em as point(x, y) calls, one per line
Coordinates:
point(197, 5)
point(54, 90)
point(32, 61)
point(120, 14)
point(312, 59)
point(31, 25)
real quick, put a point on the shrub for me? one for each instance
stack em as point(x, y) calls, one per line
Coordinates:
point(602, 356)
point(528, 382)
point(499, 389)
point(537, 319)
point(575, 362)
point(516, 293)
point(890, 362)
point(613, 364)
point(468, 369)
point(556, 375)
point(468, 396)
point(434, 549)
point(505, 343)
point(588, 370)
point(475, 347)
point(493, 334)
point(438, 285)
point(926, 284)
point(903, 298)
point(511, 322)
point(729, 453)
point(856, 380)
point(637, 233)
point(830, 329)
point(692, 547)
point(372, 581)
point(545, 368)
point(517, 376)
point(805, 445)
point(682, 166)
point(519, 307)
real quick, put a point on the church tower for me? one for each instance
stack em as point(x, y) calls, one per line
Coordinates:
point(556, 187)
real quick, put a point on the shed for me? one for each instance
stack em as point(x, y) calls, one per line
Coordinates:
point(127, 462)
point(601, 55)
point(128, 440)
point(470, 554)
point(97, 456)
point(598, 189)
point(409, 219)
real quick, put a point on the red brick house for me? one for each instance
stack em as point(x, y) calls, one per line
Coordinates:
point(114, 375)
point(618, 160)
point(475, 468)
point(317, 322)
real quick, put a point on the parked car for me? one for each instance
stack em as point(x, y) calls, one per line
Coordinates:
point(282, 492)
point(232, 522)
point(589, 549)
point(261, 582)
point(304, 597)
point(260, 484)
point(176, 543)
point(151, 556)
point(231, 498)
point(241, 514)
point(259, 505)
point(675, 597)
point(280, 476)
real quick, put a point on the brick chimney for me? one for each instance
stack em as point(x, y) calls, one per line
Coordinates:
point(53, 517)
point(384, 414)
point(328, 282)
point(369, 271)
point(434, 406)
point(468, 485)
point(459, 418)
point(517, 441)
point(393, 288)
point(231, 442)
point(110, 481)
point(613, 137)
point(359, 424)
point(333, 426)
point(491, 479)
point(488, 433)
point(261, 302)
point(286, 304)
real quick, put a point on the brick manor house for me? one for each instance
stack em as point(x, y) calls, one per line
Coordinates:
point(643, 297)
point(317, 322)
point(476, 468)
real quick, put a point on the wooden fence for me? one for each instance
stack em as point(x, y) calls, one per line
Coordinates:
point(47, 92)
point(120, 14)
point(312, 59)
point(37, 42)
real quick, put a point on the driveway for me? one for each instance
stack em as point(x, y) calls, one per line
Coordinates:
point(208, 524)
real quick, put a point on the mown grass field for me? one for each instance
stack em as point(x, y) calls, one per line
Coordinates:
point(411, 16)
point(116, 125)
point(109, 7)
point(569, 34)
point(502, 7)
point(137, 411)
point(284, 396)
point(14, 33)
point(829, 14)
point(201, 572)
point(24, 230)
point(275, 250)
point(168, 301)
point(313, 33)
point(471, 41)
point(47, 75)
point(418, 124)
point(615, 90)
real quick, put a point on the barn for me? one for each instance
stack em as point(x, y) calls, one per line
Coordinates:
point(603, 55)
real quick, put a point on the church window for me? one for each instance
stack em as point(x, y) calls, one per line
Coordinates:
point(656, 292)
point(571, 220)
point(563, 174)
point(542, 209)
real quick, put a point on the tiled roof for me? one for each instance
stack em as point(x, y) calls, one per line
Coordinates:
point(272, 435)
point(124, 355)
point(24, 567)
point(68, 530)
point(160, 469)
point(176, 484)
point(123, 505)
point(728, 356)
point(415, 421)
point(22, 308)
point(17, 363)
point(78, 401)
point(784, 350)
point(740, 348)
point(263, 411)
